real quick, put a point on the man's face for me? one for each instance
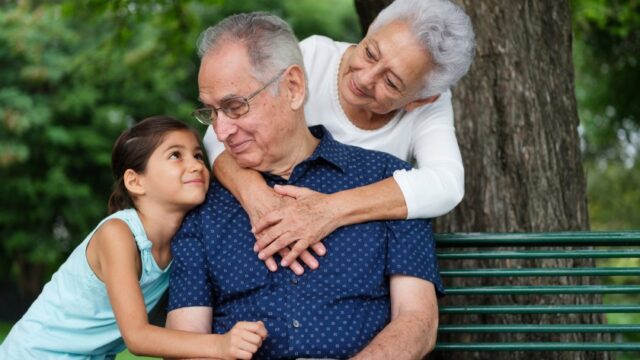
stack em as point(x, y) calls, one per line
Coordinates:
point(386, 70)
point(253, 139)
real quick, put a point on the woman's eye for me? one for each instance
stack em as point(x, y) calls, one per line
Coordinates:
point(391, 84)
point(368, 53)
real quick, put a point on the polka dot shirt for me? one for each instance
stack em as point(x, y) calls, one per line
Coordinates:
point(332, 312)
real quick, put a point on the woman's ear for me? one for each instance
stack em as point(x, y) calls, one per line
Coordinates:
point(417, 103)
point(133, 183)
point(296, 86)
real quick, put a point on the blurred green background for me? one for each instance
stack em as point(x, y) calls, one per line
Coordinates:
point(74, 74)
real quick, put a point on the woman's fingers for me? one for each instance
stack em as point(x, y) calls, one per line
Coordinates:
point(295, 265)
point(299, 249)
point(319, 249)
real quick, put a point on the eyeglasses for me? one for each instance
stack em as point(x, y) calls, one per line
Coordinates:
point(233, 107)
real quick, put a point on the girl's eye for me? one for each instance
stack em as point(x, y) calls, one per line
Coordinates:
point(175, 155)
point(199, 156)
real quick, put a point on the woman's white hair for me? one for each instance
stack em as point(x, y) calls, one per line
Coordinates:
point(446, 33)
point(269, 40)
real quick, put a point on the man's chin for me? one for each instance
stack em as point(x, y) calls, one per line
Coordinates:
point(247, 163)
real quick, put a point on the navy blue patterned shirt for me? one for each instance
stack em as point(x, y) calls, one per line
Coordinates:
point(334, 311)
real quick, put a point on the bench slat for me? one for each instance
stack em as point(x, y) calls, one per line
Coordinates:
point(540, 272)
point(525, 290)
point(548, 254)
point(628, 238)
point(540, 309)
point(538, 346)
point(538, 328)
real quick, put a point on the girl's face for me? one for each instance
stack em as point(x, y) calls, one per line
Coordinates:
point(176, 175)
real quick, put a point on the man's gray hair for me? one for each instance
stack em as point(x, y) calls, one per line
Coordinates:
point(269, 40)
point(446, 33)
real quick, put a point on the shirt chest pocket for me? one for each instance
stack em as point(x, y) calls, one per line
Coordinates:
point(239, 274)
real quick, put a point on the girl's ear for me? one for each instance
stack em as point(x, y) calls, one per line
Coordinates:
point(133, 182)
point(296, 86)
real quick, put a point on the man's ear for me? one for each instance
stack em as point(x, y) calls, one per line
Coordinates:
point(296, 86)
point(417, 103)
point(133, 182)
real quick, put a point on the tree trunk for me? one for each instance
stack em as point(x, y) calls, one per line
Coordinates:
point(516, 121)
point(368, 10)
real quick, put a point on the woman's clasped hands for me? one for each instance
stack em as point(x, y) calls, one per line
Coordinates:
point(292, 220)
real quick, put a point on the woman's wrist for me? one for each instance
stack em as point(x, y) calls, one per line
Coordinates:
point(341, 209)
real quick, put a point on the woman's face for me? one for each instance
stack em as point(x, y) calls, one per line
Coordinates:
point(385, 71)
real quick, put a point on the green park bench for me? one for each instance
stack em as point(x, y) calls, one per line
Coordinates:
point(503, 252)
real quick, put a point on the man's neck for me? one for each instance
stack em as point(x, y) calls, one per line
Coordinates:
point(300, 146)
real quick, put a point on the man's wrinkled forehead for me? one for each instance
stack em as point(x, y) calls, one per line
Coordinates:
point(225, 68)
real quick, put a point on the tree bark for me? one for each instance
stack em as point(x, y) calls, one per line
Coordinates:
point(516, 121)
point(368, 10)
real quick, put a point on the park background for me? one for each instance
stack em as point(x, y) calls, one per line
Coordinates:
point(74, 74)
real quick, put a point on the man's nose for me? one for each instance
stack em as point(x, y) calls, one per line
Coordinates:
point(224, 126)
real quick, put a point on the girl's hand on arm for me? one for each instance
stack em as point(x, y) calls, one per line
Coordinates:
point(244, 340)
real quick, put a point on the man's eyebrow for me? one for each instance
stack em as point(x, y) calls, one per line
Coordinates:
point(225, 98)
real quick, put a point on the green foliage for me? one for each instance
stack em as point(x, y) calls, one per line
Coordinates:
point(607, 66)
point(74, 75)
point(607, 60)
point(614, 196)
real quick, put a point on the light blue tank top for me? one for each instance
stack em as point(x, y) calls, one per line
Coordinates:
point(72, 318)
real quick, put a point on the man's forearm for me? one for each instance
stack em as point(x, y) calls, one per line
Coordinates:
point(409, 336)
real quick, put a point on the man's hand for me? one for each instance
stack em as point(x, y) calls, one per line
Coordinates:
point(243, 340)
point(296, 226)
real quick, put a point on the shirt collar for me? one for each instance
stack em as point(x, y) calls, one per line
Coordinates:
point(328, 149)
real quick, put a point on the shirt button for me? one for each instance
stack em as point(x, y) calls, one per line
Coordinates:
point(294, 281)
point(295, 323)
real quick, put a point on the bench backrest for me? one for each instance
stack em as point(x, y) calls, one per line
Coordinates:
point(500, 273)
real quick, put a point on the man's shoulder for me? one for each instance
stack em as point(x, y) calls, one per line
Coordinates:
point(217, 199)
point(360, 158)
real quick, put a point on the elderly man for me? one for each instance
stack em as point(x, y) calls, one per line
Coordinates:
point(374, 295)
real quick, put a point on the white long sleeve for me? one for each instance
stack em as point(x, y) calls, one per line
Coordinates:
point(212, 146)
point(437, 184)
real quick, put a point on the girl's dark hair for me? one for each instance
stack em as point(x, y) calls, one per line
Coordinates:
point(132, 151)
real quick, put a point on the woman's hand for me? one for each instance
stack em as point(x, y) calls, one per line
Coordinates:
point(264, 202)
point(296, 226)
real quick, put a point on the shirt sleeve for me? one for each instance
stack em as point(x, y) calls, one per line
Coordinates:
point(212, 146)
point(411, 250)
point(436, 186)
point(189, 282)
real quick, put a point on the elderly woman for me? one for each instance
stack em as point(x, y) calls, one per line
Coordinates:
point(388, 93)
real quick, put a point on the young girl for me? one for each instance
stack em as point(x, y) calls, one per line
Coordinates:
point(101, 295)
